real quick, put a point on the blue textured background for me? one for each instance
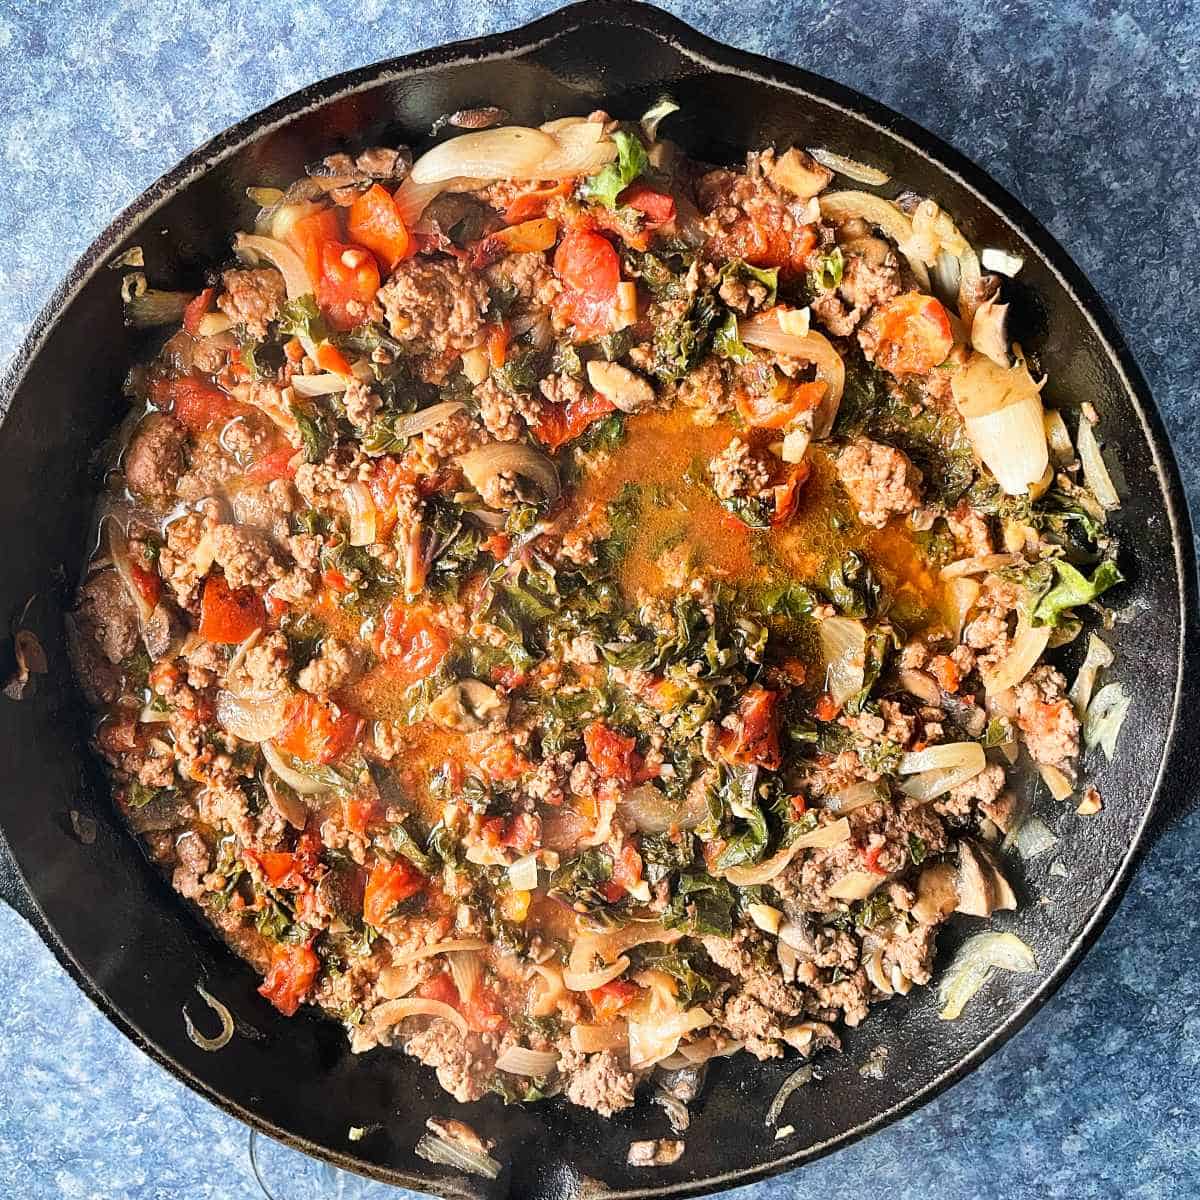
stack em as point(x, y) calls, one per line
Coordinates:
point(1086, 111)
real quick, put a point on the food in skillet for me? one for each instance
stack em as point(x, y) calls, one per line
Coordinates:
point(568, 611)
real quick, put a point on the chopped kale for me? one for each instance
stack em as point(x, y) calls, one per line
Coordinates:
point(701, 904)
point(580, 882)
point(611, 180)
point(663, 854)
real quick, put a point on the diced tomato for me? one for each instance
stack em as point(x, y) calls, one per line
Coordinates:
point(317, 731)
point(148, 583)
point(799, 804)
point(310, 233)
point(765, 243)
point(501, 761)
point(196, 308)
point(612, 754)
point(275, 464)
point(590, 270)
point(657, 207)
point(826, 708)
point(498, 545)
point(756, 740)
point(388, 477)
point(912, 334)
point(559, 424)
point(533, 204)
point(627, 867)
point(335, 581)
point(609, 999)
point(227, 616)
point(787, 493)
point(440, 987)
point(291, 974)
point(483, 1012)
point(415, 644)
point(347, 283)
point(375, 222)
point(782, 407)
point(330, 358)
point(529, 236)
point(358, 811)
point(277, 866)
point(293, 350)
point(519, 831)
point(388, 885)
point(497, 344)
point(509, 677)
point(945, 670)
point(871, 859)
point(194, 403)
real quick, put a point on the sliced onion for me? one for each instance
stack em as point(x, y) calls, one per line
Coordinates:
point(296, 780)
point(583, 148)
point(1105, 716)
point(197, 1038)
point(394, 982)
point(943, 757)
point(795, 1080)
point(592, 1039)
point(978, 565)
point(1027, 647)
point(885, 216)
point(1097, 658)
point(289, 264)
point(435, 948)
point(413, 423)
point(552, 991)
point(856, 885)
point(520, 1060)
point(1030, 838)
point(251, 718)
point(361, 507)
point(523, 874)
point(466, 969)
point(652, 812)
point(822, 837)
point(324, 384)
point(703, 1049)
point(585, 981)
point(1002, 262)
point(963, 594)
point(1060, 786)
point(118, 549)
point(211, 324)
point(764, 329)
point(928, 785)
point(652, 1040)
point(974, 963)
point(850, 167)
point(765, 917)
point(509, 152)
point(844, 649)
point(446, 1152)
point(654, 115)
point(1002, 415)
point(1057, 437)
point(392, 1011)
point(969, 291)
point(413, 198)
point(857, 795)
point(483, 465)
point(1095, 473)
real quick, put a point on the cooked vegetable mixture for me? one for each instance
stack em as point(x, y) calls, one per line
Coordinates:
point(566, 610)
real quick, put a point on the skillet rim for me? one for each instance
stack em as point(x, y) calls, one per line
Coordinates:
point(1168, 789)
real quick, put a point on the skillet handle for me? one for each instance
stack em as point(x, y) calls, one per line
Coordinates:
point(13, 891)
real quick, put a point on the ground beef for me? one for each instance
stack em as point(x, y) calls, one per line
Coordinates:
point(737, 472)
point(323, 484)
point(449, 438)
point(1047, 720)
point(333, 668)
point(437, 304)
point(865, 283)
point(498, 411)
point(246, 556)
point(463, 1067)
point(982, 789)
point(562, 389)
point(754, 1024)
point(106, 616)
point(252, 298)
point(600, 1081)
point(267, 663)
point(880, 479)
point(912, 951)
point(970, 529)
point(362, 405)
point(704, 389)
point(528, 276)
point(154, 459)
point(266, 507)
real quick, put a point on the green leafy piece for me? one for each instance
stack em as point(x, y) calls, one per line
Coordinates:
point(366, 339)
point(753, 511)
point(690, 968)
point(138, 794)
point(872, 911)
point(828, 272)
point(302, 318)
point(728, 344)
point(997, 733)
point(381, 436)
point(785, 599)
point(853, 588)
point(749, 845)
point(521, 372)
point(663, 854)
point(623, 511)
point(736, 268)
point(404, 843)
point(318, 430)
point(565, 360)
point(917, 850)
point(516, 1089)
point(262, 359)
point(611, 180)
point(579, 883)
point(1074, 588)
point(701, 904)
point(662, 274)
point(680, 345)
point(274, 921)
point(606, 434)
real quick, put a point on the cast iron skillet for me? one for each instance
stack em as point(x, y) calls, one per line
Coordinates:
point(137, 950)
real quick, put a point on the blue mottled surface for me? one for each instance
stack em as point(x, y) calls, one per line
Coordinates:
point(1086, 111)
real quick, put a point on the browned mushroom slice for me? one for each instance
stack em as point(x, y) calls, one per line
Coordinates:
point(976, 891)
point(937, 896)
point(1003, 897)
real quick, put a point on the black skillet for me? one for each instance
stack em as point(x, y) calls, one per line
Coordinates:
point(137, 950)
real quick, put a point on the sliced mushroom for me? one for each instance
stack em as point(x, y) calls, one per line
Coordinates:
point(1003, 896)
point(976, 891)
point(856, 885)
point(937, 896)
point(627, 390)
point(340, 893)
point(659, 1153)
point(800, 173)
point(873, 965)
point(163, 631)
point(284, 801)
point(989, 331)
point(468, 706)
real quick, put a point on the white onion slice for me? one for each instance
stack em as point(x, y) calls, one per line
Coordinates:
point(447, 947)
point(968, 286)
point(582, 149)
point(1060, 786)
point(391, 1011)
point(850, 167)
point(945, 756)
point(520, 1060)
point(1097, 658)
point(1105, 716)
point(652, 1040)
point(591, 1039)
point(251, 718)
point(974, 963)
point(297, 781)
point(1027, 647)
point(857, 795)
point(361, 507)
point(289, 264)
point(963, 594)
point(484, 464)
point(928, 785)
point(413, 198)
point(764, 329)
point(1095, 473)
point(466, 970)
point(445, 1151)
point(856, 885)
point(822, 837)
point(324, 384)
point(844, 649)
point(585, 981)
point(1057, 437)
point(210, 324)
point(523, 874)
point(508, 152)
point(1002, 262)
point(979, 565)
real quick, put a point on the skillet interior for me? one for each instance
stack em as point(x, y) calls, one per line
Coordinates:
point(138, 950)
